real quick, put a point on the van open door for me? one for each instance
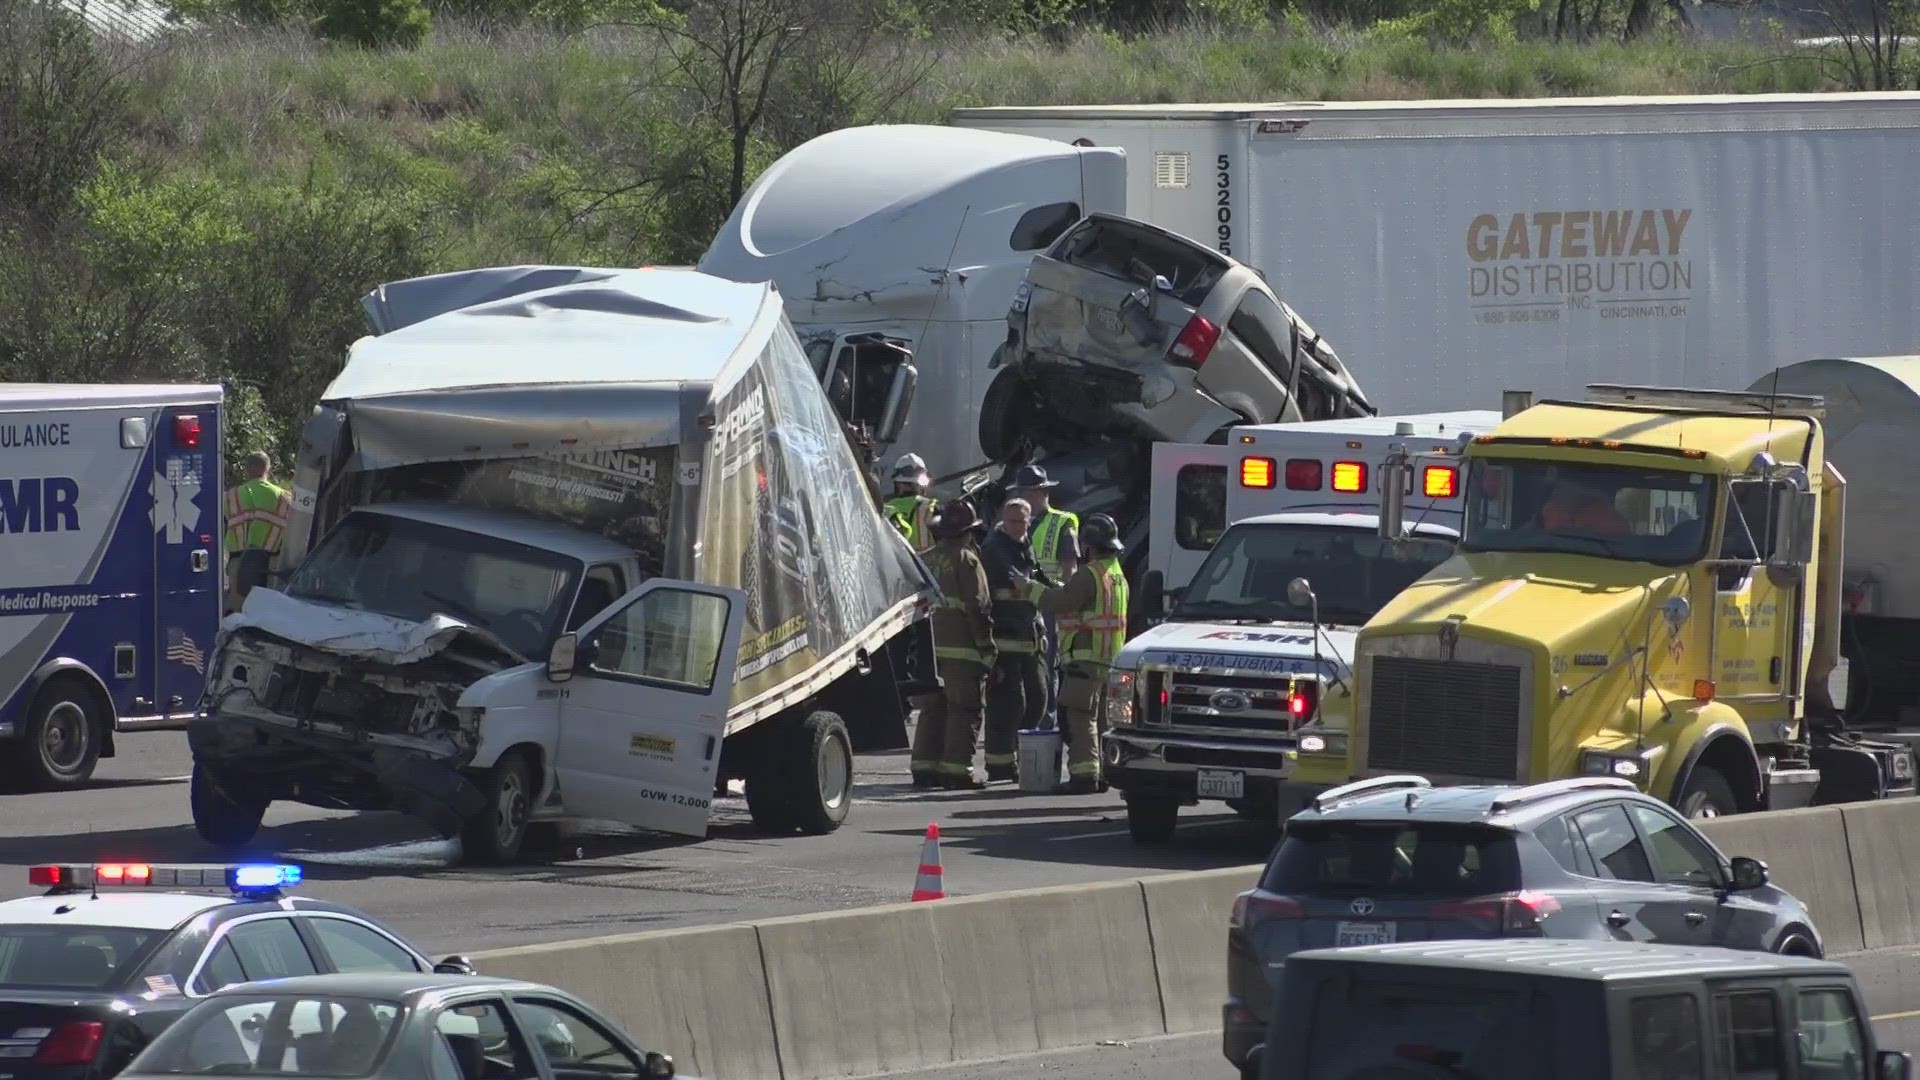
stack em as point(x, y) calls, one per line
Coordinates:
point(1188, 496)
point(644, 688)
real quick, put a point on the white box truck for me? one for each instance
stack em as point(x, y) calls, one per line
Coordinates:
point(1455, 249)
point(585, 544)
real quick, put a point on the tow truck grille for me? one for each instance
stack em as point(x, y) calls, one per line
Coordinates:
point(1450, 718)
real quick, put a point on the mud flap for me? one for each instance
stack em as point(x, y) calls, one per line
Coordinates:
point(431, 792)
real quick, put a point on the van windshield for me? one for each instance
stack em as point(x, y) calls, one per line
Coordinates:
point(1353, 573)
point(1612, 511)
point(1377, 1031)
point(414, 570)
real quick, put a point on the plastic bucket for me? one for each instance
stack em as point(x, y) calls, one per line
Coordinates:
point(1040, 759)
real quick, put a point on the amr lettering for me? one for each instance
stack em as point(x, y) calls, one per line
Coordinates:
point(38, 504)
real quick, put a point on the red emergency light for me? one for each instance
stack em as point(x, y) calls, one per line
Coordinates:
point(1350, 476)
point(186, 431)
point(1303, 474)
point(1440, 481)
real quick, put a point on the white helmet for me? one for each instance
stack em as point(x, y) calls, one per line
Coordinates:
point(909, 469)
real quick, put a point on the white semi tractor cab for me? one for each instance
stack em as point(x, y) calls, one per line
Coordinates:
point(1246, 682)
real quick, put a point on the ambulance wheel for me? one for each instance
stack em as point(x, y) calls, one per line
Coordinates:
point(218, 818)
point(62, 736)
point(802, 780)
point(496, 834)
point(1151, 819)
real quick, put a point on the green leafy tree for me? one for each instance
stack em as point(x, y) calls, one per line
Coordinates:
point(374, 24)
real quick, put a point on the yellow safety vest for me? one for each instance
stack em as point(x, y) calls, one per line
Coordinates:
point(912, 515)
point(1098, 634)
point(257, 515)
point(1047, 533)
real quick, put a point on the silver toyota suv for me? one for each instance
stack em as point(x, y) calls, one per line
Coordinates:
point(1395, 859)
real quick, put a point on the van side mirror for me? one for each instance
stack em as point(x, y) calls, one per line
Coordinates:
point(1893, 1065)
point(1748, 873)
point(899, 402)
point(563, 657)
point(1153, 593)
point(455, 965)
point(659, 1064)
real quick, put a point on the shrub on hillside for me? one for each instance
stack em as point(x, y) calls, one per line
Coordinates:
point(374, 24)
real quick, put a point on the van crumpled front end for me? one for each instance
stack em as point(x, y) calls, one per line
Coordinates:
point(344, 709)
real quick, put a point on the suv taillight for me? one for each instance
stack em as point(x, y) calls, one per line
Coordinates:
point(1518, 913)
point(1253, 907)
point(72, 1043)
point(1195, 343)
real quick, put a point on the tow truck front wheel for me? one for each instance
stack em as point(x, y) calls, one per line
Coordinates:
point(1707, 795)
point(497, 833)
point(218, 816)
point(802, 781)
point(1151, 818)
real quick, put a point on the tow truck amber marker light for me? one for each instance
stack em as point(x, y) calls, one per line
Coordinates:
point(1703, 689)
point(1256, 472)
point(1439, 481)
point(1350, 476)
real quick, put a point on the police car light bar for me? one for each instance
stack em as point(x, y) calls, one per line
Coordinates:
point(246, 877)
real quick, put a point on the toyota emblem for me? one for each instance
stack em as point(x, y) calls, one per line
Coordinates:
point(1228, 701)
point(1361, 906)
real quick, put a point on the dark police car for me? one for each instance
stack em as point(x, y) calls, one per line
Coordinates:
point(115, 952)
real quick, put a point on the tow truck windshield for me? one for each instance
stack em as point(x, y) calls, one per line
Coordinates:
point(1353, 572)
point(413, 570)
point(1611, 511)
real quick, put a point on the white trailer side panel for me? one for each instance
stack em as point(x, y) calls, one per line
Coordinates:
point(1450, 250)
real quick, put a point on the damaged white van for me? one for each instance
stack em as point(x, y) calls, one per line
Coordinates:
point(586, 545)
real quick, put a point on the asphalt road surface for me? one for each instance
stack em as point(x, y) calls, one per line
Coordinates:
point(607, 883)
point(1890, 978)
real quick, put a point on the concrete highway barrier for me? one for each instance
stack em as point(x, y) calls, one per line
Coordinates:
point(905, 986)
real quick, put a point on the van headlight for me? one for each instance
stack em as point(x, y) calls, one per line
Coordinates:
point(1118, 710)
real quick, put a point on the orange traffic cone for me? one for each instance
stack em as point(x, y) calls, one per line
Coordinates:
point(928, 886)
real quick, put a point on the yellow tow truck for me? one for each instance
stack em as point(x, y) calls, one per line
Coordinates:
point(1649, 585)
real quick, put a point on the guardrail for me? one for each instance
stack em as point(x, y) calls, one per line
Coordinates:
point(905, 986)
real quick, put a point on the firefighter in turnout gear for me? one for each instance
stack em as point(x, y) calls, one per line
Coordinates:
point(257, 512)
point(950, 720)
point(1018, 698)
point(1091, 611)
point(910, 510)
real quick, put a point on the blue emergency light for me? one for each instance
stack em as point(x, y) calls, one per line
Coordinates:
point(244, 878)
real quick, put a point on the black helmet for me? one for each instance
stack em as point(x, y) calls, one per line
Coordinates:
point(1101, 536)
point(957, 518)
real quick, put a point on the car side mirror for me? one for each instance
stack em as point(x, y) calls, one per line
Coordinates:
point(1748, 873)
point(1893, 1065)
point(563, 657)
point(455, 965)
point(659, 1064)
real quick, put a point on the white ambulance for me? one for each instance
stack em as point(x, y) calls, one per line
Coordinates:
point(1241, 692)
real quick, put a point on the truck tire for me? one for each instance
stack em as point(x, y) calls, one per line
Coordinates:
point(1151, 818)
point(62, 736)
point(219, 818)
point(1707, 795)
point(1006, 414)
point(802, 781)
point(496, 834)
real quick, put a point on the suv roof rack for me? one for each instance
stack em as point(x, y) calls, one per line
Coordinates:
point(1553, 788)
point(1348, 792)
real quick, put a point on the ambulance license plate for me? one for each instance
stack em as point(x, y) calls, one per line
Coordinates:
point(1363, 933)
point(1220, 784)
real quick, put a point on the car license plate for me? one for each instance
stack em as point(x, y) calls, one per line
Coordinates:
point(1219, 784)
point(1363, 933)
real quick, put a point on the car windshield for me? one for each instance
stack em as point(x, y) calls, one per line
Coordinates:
point(70, 957)
point(1368, 1029)
point(413, 570)
point(1394, 859)
point(1353, 573)
point(1612, 511)
point(276, 1035)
